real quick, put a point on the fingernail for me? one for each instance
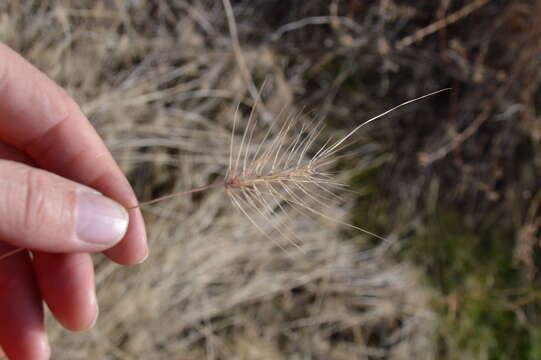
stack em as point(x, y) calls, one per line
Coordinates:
point(99, 220)
point(47, 350)
point(144, 257)
point(41, 349)
point(93, 323)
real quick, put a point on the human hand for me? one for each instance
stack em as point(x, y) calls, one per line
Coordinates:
point(50, 157)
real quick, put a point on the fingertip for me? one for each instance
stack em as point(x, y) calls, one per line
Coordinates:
point(91, 317)
point(41, 350)
point(99, 220)
point(84, 323)
point(144, 258)
point(34, 347)
point(133, 249)
point(22, 332)
point(67, 286)
point(95, 320)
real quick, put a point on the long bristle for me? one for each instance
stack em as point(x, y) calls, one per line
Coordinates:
point(280, 172)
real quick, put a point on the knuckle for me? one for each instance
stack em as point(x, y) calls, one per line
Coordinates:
point(35, 213)
point(35, 206)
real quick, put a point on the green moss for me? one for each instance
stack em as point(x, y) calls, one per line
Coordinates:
point(488, 309)
point(371, 208)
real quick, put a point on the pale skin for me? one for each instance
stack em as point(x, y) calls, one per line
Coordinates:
point(48, 149)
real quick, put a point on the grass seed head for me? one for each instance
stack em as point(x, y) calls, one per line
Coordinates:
point(288, 171)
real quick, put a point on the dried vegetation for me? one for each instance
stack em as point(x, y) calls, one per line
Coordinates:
point(162, 84)
point(162, 80)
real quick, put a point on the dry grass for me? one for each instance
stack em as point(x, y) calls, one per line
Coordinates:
point(161, 84)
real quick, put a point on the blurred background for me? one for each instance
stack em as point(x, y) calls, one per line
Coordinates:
point(452, 180)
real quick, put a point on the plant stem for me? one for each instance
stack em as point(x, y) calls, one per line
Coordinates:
point(10, 253)
point(203, 188)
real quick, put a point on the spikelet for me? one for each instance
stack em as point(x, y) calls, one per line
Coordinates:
point(285, 173)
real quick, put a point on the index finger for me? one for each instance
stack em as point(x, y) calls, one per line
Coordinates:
point(42, 120)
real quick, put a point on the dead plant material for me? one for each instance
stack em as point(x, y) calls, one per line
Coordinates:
point(159, 81)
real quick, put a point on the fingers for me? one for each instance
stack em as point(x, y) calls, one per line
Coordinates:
point(38, 117)
point(44, 212)
point(133, 248)
point(66, 282)
point(22, 335)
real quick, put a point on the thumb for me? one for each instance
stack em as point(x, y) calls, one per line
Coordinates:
point(43, 211)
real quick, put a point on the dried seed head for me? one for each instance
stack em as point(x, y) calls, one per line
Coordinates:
point(285, 174)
